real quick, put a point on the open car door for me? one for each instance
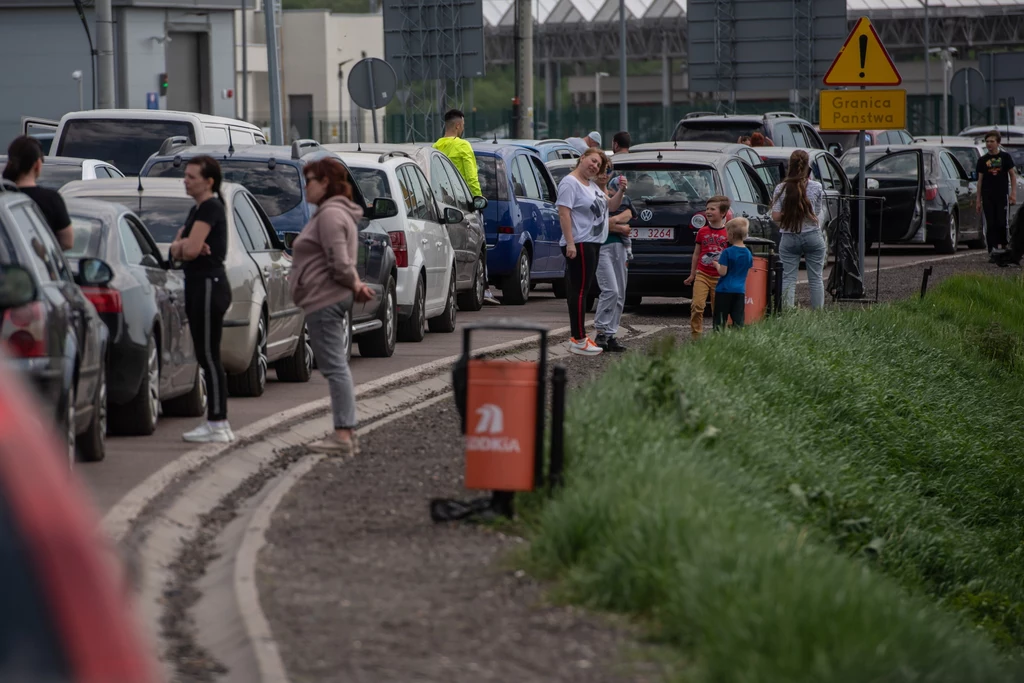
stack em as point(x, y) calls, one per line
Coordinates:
point(898, 179)
point(43, 130)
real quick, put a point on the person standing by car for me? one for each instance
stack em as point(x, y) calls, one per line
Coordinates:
point(621, 142)
point(461, 154)
point(202, 245)
point(592, 140)
point(710, 241)
point(324, 283)
point(583, 214)
point(997, 180)
point(611, 265)
point(796, 206)
point(24, 164)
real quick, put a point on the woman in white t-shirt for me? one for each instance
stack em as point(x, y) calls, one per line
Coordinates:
point(796, 207)
point(583, 213)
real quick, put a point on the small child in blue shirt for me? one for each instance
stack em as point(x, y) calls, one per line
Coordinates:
point(733, 265)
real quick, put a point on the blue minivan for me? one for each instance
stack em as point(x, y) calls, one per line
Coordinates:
point(521, 220)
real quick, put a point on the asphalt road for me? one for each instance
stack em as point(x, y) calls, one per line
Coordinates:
point(131, 459)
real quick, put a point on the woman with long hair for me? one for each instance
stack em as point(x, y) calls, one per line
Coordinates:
point(202, 245)
point(324, 283)
point(24, 164)
point(796, 206)
point(583, 213)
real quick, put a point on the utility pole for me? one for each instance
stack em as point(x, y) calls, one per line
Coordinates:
point(105, 54)
point(597, 99)
point(274, 74)
point(245, 62)
point(524, 69)
point(623, 109)
point(927, 62)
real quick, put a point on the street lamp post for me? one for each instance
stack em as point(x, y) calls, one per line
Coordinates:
point(946, 54)
point(597, 99)
point(77, 76)
point(927, 61)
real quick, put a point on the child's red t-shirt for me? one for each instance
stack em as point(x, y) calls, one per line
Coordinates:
point(712, 242)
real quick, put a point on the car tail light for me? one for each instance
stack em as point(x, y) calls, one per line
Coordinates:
point(506, 230)
point(105, 300)
point(931, 192)
point(400, 248)
point(25, 330)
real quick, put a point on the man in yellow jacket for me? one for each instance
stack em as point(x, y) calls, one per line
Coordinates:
point(461, 154)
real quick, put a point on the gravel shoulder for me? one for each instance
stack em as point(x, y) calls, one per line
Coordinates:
point(359, 585)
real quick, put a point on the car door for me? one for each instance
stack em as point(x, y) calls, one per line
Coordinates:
point(527, 192)
point(177, 356)
point(898, 179)
point(422, 213)
point(955, 175)
point(551, 228)
point(281, 314)
point(458, 233)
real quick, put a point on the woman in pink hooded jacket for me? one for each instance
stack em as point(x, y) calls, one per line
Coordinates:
point(324, 283)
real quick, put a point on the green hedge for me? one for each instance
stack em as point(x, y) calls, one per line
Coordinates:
point(820, 497)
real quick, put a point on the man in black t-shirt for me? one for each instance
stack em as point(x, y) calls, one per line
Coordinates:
point(997, 180)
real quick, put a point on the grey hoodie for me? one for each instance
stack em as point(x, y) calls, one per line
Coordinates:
point(324, 256)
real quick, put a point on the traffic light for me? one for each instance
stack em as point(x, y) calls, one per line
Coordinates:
point(163, 84)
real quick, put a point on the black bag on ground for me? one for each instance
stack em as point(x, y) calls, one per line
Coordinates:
point(845, 281)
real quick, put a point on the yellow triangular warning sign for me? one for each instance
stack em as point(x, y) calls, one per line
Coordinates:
point(863, 60)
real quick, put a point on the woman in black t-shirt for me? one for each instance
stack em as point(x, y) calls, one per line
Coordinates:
point(24, 164)
point(202, 245)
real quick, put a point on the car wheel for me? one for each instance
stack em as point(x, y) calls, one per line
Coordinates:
point(949, 242)
point(414, 329)
point(297, 367)
point(92, 446)
point(140, 415)
point(446, 321)
point(380, 343)
point(473, 300)
point(192, 404)
point(253, 381)
point(516, 287)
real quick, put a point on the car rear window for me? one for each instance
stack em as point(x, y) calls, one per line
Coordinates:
point(846, 140)
point(56, 176)
point(125, 143)
point(372, 183)
point(559, 172)
point(163, 216)
point(487, 170)
point(88, 232)
point(278, 189)
point(716, 130)
point(654, 183)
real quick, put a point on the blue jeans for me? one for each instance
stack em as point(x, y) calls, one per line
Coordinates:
point(811, 246)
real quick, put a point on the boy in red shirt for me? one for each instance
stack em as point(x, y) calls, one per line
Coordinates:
point(711, 240)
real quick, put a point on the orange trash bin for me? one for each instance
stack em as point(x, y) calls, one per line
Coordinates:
point(756, 302)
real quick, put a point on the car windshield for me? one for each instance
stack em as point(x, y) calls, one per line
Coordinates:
point(278, 189)
point(163, 216)
point(125, 143)
point(661, 182)
point(715, 130)
point(372, 183)
point(560, 172)
point(56, 176)
point(87, 232)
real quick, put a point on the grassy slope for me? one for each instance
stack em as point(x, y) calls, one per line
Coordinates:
point(890, 435)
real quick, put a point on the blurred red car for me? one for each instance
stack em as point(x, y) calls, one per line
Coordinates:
point(65, 609)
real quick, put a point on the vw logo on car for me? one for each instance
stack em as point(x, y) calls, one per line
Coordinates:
point(646, 215)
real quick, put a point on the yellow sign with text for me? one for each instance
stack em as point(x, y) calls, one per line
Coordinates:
point(863, 109)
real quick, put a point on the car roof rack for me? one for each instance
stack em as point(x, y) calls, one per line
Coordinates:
point(780, 115)
point(393, 153)
point(304, 143)
point(699, 114)
point(173, 142)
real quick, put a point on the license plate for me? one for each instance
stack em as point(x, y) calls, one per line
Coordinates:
point(653, 233)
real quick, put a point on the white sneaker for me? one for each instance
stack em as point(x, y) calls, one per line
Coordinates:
point(489, 299)
point(584, 347)
point(207, 433)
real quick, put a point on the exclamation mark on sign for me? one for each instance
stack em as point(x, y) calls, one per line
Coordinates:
point(863, 53)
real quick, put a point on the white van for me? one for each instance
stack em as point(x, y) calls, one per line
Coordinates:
point(127, 137)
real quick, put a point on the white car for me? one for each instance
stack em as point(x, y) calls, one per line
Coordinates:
point(426, 260)
point(59, 171)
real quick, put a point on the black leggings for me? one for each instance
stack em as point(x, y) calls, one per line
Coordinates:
point(729, 305)
point(207, 297)
point(995, 209)
point(579, 277)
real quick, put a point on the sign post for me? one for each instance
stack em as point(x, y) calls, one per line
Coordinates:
point(863, 61)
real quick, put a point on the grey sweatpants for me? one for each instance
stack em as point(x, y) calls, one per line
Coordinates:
point(611, 278)
point(327, 330)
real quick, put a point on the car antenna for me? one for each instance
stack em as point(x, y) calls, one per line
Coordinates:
point(675, 144)
point(495, 141)
point(659, 155)
point(140, 190)
point(231, 143)
point(359, 145)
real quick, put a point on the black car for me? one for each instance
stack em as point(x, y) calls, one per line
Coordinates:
point(928, 197)
point(52, 333)
point(669, 191)
point(150, 359)
point(783, 128)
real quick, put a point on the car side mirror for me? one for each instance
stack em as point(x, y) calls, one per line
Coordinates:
point(384, 207)
point(871, 184)
point(479, 203)
point(150, 261)
point(453, 216)
point(289, 239)
point(17, 287)
point(836, 149)
point(94, 272)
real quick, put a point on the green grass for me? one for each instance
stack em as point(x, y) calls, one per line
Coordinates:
point(821, 497)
